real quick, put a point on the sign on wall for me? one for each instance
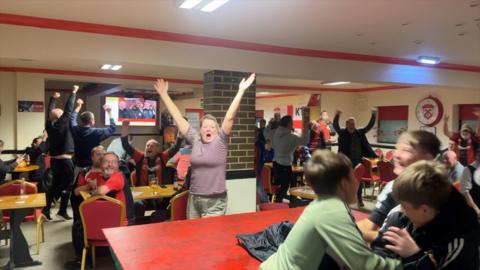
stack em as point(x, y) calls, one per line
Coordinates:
point(429, 111)
point(30, 106)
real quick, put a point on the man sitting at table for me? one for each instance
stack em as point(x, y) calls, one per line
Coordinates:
point(7, 166)
point(149, 164)
point(325, 236)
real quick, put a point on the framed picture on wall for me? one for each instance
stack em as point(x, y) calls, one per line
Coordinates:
point(429, 129)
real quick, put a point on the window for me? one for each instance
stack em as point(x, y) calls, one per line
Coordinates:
point(392, 121)
point(466, 116)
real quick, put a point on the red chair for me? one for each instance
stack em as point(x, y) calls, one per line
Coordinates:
point(385, 172)
point(98, 213)
point(389, 155)
point(358, 172)
point(379, 152)
point(178, 206)
point(368, 176)
point(267, 182)
point(13, 188)
point(270, 205)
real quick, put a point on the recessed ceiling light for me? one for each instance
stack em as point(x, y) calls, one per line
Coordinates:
point(189, 4)
point(106, 67)
point(335, 83)
point(214, 4)
point(116, 67)
point(429, 60)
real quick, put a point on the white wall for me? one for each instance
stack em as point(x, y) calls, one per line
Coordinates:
point(241, 196)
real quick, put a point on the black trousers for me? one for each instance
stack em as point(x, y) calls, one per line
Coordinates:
point(283, 176)
point(62, 183)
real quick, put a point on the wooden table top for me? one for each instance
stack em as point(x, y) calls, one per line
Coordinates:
point(36, 200)
point(28, 168)
point(305, 192)
point(204, 243)
point(144, 192)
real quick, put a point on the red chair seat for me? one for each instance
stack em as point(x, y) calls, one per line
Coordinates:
point(31, 217)
point(272, 206)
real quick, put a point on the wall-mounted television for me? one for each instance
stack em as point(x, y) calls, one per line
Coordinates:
point(139, 111)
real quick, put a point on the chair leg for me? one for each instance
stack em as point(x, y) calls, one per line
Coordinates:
point(43, 232)
point(93, 256)
point(38, 237)
point(84, 254)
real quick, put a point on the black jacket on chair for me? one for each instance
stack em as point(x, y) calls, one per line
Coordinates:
point(344, 141)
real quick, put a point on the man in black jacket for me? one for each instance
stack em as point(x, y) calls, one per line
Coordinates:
point(353, 143)
point(61, 150)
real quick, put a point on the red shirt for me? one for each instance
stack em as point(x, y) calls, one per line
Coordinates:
point(82, 179)
point(116, 183)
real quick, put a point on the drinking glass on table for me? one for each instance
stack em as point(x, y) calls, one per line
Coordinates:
point(152, 182)
point(23, 188)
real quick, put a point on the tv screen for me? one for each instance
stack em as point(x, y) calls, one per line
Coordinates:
point(139, 111)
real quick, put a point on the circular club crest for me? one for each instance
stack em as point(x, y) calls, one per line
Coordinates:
point(429, 111)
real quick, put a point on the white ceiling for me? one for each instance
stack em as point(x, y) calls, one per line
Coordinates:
point(449, 29)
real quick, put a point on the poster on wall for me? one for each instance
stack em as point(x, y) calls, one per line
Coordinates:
point(30, 106)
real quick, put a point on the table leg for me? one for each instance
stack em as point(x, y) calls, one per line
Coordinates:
point(19, 253)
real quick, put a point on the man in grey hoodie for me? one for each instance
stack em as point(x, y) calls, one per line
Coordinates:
point(284, 142)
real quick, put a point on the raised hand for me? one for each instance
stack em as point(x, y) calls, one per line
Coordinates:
point(75, 88)
point(161, 86)
point(338, 112)
point(80, 102)
point(401, 242)
point(56, 95)
point(107, 108)
point(245, 83)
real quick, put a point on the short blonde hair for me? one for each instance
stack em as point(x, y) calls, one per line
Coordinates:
point(423, 182)
point(210, 117)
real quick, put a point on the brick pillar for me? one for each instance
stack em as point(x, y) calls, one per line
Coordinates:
point(219, 89)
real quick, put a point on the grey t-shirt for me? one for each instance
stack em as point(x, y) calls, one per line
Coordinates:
point(208, 163)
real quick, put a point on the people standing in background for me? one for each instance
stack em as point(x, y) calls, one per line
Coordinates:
point(284, 142)
point(454, 167)
point(273, 124)
point(36, 153)
point(7, 166)
point(86, 136)
point(353, 143)
point(470, 183)
point(466, 141)
point(61, 148)
point(208, 192)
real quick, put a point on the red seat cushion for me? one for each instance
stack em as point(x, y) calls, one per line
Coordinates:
point(273, 206)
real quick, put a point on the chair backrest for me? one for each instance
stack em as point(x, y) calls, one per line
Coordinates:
point(100, 212)
point(267, 179)
point(379, 152)
point(367, 173)
point(385, 171)
point(178, 206)
point(389, 155)
point(11, 188)
point(358, 172)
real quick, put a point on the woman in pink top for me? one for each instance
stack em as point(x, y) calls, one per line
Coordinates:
point(208, 193)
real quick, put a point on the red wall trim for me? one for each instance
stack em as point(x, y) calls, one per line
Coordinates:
point(196, 82)
point(277, 95)
point(14, 19)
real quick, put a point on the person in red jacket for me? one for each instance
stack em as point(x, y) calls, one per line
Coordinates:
point(466, 141)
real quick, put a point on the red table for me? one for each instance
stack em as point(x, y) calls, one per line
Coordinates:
point(208, 243)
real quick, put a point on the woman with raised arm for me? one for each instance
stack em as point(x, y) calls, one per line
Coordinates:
point(208, 193)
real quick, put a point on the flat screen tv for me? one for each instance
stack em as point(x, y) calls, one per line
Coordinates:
point(139, 111)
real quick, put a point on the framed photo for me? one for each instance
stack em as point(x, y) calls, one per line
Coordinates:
point(429, 129)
